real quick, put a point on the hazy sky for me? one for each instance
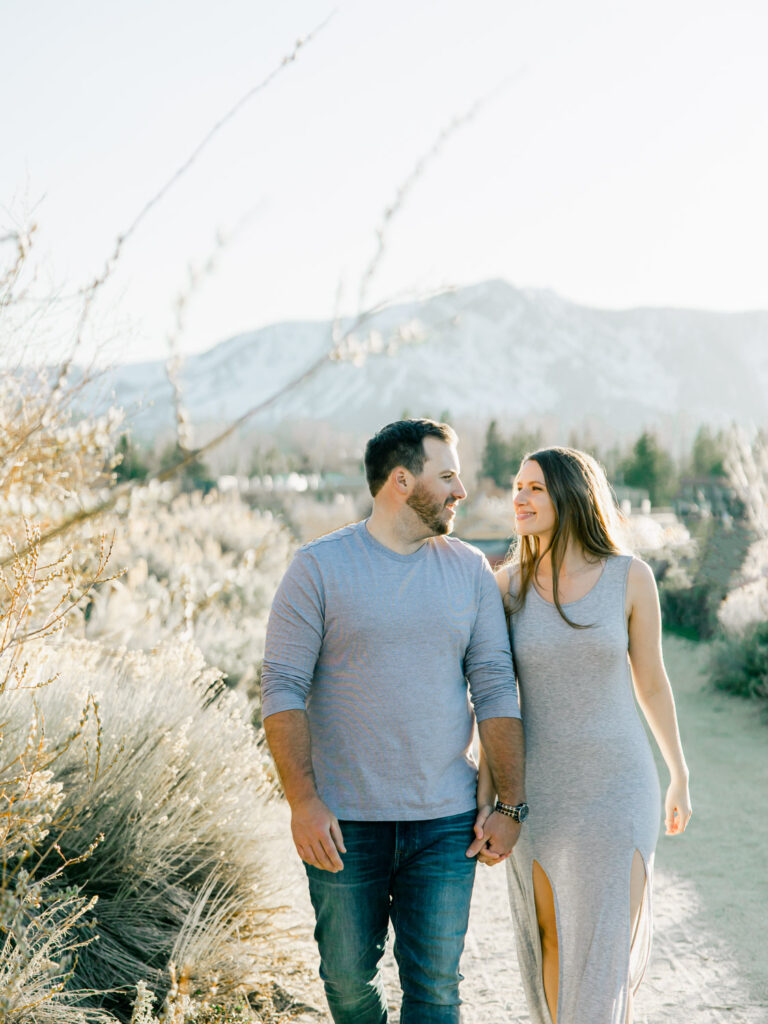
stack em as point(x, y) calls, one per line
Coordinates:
point(624, 163)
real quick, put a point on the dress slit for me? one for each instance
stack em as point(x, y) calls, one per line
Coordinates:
point(642, 931)
point(536, 864)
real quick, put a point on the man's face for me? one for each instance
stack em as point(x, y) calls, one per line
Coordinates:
point(438, 488)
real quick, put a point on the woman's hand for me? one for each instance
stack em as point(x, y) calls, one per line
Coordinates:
point(478, 848)
point(484, 811)
point(487, 837)
point(677, 807)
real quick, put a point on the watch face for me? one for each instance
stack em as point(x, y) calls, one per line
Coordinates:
point(522, 812)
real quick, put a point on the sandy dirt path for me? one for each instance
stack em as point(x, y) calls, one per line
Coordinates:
point(709, 963)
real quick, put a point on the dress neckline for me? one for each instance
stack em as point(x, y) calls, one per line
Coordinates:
point(566, 604)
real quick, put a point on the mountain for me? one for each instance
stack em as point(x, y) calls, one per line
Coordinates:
point(488, 350)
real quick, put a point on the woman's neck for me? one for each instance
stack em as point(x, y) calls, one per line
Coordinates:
point(575, 561)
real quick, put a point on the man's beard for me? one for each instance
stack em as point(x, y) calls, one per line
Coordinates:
point(429, 511)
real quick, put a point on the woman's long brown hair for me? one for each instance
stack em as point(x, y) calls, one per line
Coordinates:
point(585, 511)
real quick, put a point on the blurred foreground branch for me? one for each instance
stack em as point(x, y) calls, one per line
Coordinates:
point(344, 344)
point(334, 353)
point(405, 187)
point(101, 279)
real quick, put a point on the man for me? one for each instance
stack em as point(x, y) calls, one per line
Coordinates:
point(374, 633)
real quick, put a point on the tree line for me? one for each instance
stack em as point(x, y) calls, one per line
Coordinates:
point(645, 465)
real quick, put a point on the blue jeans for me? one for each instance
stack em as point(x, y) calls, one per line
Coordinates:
point(417, 874)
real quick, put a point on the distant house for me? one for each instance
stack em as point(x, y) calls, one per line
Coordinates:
point(630, 498)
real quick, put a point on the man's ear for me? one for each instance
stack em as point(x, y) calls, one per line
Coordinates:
point(401, 479)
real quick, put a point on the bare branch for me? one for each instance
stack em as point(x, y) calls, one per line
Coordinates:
point(401, 194)
point(232, 112)
point(85, 514)
point(196, 277)
point(101, 279)
point(338, 337)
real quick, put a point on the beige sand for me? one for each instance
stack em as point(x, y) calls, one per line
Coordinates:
point(709, 963)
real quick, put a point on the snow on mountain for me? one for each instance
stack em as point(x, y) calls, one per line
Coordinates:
point(488, 350)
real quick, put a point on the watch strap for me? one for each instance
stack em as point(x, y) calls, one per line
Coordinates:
point(518, 812)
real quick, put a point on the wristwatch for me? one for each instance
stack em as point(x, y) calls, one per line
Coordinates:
point(518, 812)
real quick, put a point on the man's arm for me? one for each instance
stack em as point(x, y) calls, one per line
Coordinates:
point(294, 640)
point(503, 745)
point(316, 832)
point(489, 669)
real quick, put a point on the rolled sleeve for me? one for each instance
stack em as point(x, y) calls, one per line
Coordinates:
point(488, 660)
point(294, 638)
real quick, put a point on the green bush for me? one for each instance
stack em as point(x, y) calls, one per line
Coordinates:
point(740, 663)
point(690, 611)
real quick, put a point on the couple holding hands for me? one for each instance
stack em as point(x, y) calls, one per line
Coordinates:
point(387, 641)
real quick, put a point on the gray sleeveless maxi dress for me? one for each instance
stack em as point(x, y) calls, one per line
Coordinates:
point(593, 790)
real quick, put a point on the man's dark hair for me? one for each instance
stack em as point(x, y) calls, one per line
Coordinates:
point(401, 444)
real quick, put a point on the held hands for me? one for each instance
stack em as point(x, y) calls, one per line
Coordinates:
point(317, 835)
point(677, 807)
point(495, 835)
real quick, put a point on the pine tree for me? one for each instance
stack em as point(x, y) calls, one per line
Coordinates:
point(708, 453)
point(133, 464)
point(495, 461)
point(651, 468)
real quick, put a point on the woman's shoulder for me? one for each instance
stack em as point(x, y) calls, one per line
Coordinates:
point(637, 569)
point(626, 565)
point(641, 584)
point(508, 580)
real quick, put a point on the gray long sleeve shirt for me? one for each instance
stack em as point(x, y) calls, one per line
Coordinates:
point(379, 648)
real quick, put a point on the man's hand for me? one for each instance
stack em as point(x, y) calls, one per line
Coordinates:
point(315, 829)
point(495, 835)
point(317, 834)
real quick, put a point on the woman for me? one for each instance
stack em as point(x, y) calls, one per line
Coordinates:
point(585, 625)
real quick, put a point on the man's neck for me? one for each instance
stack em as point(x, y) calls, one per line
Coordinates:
point(393, 534)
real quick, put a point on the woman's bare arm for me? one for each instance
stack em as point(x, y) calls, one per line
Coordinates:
point(653, 690)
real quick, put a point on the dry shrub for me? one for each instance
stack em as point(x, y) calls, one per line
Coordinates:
point(739, 661)
point(746, 604)
point(202, 568)
point(134, 800)
point(164, 783)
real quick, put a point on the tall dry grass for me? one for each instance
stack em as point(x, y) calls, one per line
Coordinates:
point(135, 812)
point(165, 785)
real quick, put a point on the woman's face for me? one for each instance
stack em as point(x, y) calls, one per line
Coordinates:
point(535, 514)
